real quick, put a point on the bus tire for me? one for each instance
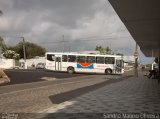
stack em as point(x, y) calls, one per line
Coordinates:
point(108, 71)
point(70, 70)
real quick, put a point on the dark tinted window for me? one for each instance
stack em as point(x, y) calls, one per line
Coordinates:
point(58, 59)
point(71, 58)
point(109, 60)
point(64, 58)
point(81, 59)
point(50, 57)
point(91, 59)
point(100, 60)
point(119, 63)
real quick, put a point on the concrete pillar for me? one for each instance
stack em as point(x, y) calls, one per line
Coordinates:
point(159, 67)
point(136, 61)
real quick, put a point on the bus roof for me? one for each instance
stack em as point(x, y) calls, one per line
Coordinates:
point(81, 54)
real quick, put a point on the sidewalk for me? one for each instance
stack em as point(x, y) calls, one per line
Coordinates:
point(133, 95)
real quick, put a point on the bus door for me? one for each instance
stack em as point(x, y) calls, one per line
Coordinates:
point(58, 63)
point(118, 66)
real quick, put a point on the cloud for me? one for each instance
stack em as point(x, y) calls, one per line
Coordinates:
point(45, 21)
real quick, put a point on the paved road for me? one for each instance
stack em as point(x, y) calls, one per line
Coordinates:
point(34, 97)
point(37, 98)
point(28, 76)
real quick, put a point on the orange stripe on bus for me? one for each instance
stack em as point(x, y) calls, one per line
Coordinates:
point(84, 64)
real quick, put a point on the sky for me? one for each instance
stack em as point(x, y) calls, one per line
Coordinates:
point(66, 25)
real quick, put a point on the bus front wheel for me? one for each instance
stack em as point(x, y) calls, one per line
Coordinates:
point(108, 71)
point(70, 70)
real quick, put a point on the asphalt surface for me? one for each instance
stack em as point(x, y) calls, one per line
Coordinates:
point(31, 100)
point(28, 76)
point(37, 96)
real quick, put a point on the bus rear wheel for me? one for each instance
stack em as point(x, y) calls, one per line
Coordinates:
point(108, 71)
point(70, 70)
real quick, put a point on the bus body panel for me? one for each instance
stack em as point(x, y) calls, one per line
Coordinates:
point(57, 63)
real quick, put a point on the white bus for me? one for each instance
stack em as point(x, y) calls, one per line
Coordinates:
point(86, 63)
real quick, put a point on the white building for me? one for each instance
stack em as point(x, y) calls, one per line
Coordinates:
point(33, 62)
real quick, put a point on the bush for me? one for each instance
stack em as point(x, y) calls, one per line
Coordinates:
point(10, 54)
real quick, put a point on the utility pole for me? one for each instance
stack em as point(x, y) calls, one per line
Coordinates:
point(24, 50)
point(24, 53)
point(69, 46)
point(63, 42)
point(136, 61)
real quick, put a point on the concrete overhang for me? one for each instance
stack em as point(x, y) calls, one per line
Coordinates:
point(142, 19)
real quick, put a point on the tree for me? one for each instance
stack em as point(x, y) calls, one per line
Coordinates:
point(32, 50)
point(10, 54)
point(102, 50)
point(119, 54)
point(106, 50)
point(3, 46)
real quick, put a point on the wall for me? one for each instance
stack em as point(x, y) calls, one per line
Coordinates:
point(34, 61)
point(7, 63)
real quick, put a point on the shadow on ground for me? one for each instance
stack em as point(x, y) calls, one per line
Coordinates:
point(59, 98)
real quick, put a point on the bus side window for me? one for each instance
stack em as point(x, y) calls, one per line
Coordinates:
point(50, 57)
point(91, 59)
point(71, 58)
point(64, 58)
point(81, 59)
point(100, 60)
point(109, 60)
point(58, 59)
point(119, 63)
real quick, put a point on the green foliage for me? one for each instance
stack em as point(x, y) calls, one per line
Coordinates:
point(10, 54)
point(106, 50)
point(102, 50)
point(119, 54)
point(31, 49)
point(2, 45)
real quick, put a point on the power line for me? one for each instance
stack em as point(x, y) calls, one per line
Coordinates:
point(87, 40)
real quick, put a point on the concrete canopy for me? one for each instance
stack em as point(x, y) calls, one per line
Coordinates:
point(142, 19)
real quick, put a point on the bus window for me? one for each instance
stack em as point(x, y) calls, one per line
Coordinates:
point(71, 58)
point(109, 60)
point(64, 58)
point(100, 60)
point(58, 59)
point(90, 59)
point(81, 59)
point(119, 63)
point(51, 57)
